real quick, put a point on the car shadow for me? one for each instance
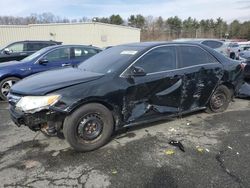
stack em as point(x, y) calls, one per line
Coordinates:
point(128, 130)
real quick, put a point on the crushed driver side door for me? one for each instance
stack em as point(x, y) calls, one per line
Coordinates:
point(158, 92)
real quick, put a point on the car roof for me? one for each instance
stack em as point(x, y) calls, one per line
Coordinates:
point(156, 43)
point(71, 45)
point(149, 45)
point(199, 40)
point(46, 41)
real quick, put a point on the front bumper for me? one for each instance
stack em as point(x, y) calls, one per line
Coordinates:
point(36, 120)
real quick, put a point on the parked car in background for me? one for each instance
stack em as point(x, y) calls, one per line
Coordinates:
point(21, 49)
point(45, 59)
point(218, 45)
point(244, 55)
point(233, 50)
point(123, 86)
point(244, 47)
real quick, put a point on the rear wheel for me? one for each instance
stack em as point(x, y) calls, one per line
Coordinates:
point(220, 100)
point(89, 127)
point(5, 86)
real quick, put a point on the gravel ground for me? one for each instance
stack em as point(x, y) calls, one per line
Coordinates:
point(217, 150)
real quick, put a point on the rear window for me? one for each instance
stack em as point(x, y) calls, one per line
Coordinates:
point(35, 46)
point(79, 52)
point(212, 44)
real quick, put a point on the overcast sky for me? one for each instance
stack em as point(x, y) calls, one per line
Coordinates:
point(199, 9)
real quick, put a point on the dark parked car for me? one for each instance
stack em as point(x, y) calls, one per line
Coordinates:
point(45, 59)
point(21, 49)
point(124, 86)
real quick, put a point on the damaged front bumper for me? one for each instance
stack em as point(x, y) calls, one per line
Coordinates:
point(37, 120)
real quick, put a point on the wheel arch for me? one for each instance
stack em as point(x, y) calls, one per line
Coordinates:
point(10, 76)
point(230, 86)
point(117, 117)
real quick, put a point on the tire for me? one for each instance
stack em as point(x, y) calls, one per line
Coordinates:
point(90, 117)
point(219, 100)
point(5, 85)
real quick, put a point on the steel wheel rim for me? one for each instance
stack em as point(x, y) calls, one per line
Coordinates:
point(90, 127)
point(218, 100)
point(6, 87)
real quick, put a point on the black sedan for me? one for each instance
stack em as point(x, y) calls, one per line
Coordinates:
point(124, 86)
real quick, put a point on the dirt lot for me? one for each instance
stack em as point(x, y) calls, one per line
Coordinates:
point(217, 155)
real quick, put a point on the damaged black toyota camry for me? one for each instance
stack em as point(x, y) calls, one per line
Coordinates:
point(124, 86)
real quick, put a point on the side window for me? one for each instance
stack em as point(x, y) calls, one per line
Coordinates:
point(43, 45)
point(212, 44)
point(191, 56)
point(79, 52)
point(61, 54)
point(35, 46)
point(17, 47)
point(159, 59)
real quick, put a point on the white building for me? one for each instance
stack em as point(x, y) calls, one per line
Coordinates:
point(93, 33)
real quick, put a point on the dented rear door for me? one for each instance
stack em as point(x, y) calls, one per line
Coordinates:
point(201, 74)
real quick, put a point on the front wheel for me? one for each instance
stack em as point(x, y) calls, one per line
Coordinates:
point(5, 86)
point(89, 127)
point(220, 100)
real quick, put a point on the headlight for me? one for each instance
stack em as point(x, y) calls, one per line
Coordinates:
point(36, 103)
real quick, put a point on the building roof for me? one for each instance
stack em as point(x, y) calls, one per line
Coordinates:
point(77, 23)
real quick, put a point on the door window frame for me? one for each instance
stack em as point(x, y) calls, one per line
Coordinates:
point(123, 74)
point(202, 64)
point(37, 61)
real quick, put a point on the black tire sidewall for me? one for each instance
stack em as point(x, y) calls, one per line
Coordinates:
point(226, 92)
point(2, 82)
point(71, 124)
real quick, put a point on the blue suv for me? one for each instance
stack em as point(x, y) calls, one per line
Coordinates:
point(45, 59)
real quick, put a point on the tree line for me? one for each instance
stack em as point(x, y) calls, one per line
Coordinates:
point(152, 28)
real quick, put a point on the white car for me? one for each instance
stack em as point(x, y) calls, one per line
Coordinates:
point(218, 45)
point(233, 50)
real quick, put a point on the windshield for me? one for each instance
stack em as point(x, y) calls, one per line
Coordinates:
point(110, 60)
point(35, 55)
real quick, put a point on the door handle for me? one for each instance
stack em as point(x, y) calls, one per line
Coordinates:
point(66, 64)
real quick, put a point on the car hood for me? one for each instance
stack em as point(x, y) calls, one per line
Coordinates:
point(49, 81)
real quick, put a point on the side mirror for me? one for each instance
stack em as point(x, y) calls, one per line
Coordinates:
point(43, 61)
point(7, 51)
point(137, 71)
